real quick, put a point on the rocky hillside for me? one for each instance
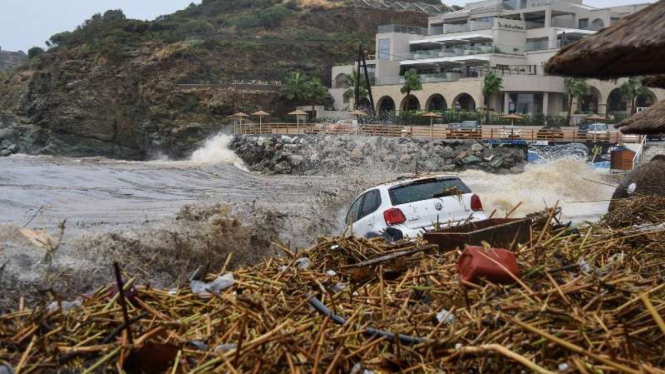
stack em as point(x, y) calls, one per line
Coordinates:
point(10, 60)
point(111, 87)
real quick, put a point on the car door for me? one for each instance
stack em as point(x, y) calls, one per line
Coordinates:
point(353, 215)
point(368, 217)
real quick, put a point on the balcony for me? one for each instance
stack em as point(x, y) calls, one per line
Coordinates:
point(506, 4)
point(460, 50)
point(450, 28)
point(384, 29)
point(424, 78)
point(543, 45)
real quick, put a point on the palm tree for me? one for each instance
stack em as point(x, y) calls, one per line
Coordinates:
point(295, 87)
point(298, 88)
point(491, 85)
point(631, 89)
point(351, 81)
point(412, 82)
point(574, 89)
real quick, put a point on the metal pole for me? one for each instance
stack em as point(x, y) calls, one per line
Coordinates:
point(431, 128)
point(369, 86)
point(357, 92)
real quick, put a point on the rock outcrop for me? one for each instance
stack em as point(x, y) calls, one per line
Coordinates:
point(332, 154)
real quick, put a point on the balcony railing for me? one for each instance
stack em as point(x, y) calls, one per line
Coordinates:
point(542, 45)
point(534, 25)
point(463, 50)
point(403, 29)
point(507, 4)
point(424, 78)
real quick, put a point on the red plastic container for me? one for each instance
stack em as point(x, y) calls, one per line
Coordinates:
point(476, 263)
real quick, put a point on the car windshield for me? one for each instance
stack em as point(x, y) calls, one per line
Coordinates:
point(425, 189)
point(598, 127)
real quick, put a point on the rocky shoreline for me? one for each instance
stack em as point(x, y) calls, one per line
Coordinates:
point(326, 154)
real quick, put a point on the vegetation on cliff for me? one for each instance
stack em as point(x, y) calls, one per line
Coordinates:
point(114, 86)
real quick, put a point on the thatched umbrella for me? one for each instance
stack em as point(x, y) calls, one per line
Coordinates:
point(261, 114)
point(651, 121)
point(431, 122)
point(596, 117)
point(512, 117)
point(648, 179)
point(240, 116)
point(298, 113)
point(654, 81)
point(634, 45)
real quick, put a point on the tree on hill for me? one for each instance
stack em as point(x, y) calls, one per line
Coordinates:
point(34, 52)
point(631, 89)
point(412, 82)
point(351, 81)
point(574, 89)
point(492, 84)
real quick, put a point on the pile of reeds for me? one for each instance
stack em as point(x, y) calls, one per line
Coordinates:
point(588, 300)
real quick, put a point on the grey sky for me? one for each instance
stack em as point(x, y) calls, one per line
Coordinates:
point(27, 23)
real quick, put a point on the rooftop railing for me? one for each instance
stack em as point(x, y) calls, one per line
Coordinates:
point(403, 29)
point(461, 50)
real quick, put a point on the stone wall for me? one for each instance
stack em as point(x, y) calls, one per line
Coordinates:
point(332, 154)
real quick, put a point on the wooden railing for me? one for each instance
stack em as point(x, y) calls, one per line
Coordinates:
point(437, 132)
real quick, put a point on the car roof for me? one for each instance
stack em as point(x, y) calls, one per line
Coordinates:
point(404, 181)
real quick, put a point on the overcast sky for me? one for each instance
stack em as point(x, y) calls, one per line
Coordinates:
point(27, 23)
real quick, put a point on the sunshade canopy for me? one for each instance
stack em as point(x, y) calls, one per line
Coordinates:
point(430, 114)
point(595, 117)
point(358, 113)
point(240, 115)
point(512, 116)
point(261, 113)
point(298, 113)
point(634, 45)
point(651, 121)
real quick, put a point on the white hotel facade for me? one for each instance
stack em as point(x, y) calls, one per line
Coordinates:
point(514, 38)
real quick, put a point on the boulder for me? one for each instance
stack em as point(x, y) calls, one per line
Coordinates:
point(497, 163)
point(5, 153)
point(282, 168)
point(470, 160)
point(449, 168)
point(477, 147)
point(297, 160)
point(516, 169)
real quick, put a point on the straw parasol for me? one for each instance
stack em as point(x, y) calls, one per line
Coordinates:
point(240, 116)
point(431, 122)
point(651, 121)
point(260, 114)
point(654, 81)
point(512, 117)
point(596, 117)
point(634, 45)
point(298, 113)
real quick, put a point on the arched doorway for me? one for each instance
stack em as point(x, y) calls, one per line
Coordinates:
point(436, 102)
point(341, 81)
point(588, 103)
point(597, 24)
point(464, 101)
point(386, 104)
point(364, 103)
point(645, 100)
point(616, 102)
point(410, 103)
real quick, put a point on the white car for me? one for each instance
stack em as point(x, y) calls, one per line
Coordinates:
point(598, 131)
point(409, 207)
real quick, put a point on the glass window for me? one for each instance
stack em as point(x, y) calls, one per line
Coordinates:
point(425, 189)
point(384, 49)
point(584, 23)
point(354, 212)
point(371, 203)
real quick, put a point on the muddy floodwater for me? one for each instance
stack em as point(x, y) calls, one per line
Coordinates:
point(100, 196)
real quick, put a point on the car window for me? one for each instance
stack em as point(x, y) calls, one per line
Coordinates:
point(354, 212)
point(371, 203)
point(425, 189)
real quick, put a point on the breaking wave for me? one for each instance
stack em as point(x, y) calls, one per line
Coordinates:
point(216, 150)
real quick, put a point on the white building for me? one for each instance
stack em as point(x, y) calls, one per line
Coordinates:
point(515, 38)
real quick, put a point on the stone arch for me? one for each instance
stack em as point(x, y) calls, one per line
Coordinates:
point(385, 104)
point(616, 101)
point(436, 102)
point(464, 101)
point(410, 102)
point(341, 81)
point(590, 102)
point(597, 24)
point(645, 100)
point(364, 103)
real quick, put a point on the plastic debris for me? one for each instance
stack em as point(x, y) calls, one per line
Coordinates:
point(199, 345)
point(5, 368)
point(303, 263)
point(216, 286)
point(585, 266)
point(338, 287)
point(225, 347)
point(563, 367)
point(445, 316)
point(66, 306)
point(332, 273)
point(335, 246)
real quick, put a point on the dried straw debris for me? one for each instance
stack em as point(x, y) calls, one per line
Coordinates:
point(589, 300)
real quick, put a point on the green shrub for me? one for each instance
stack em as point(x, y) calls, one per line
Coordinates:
point(34, 52)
